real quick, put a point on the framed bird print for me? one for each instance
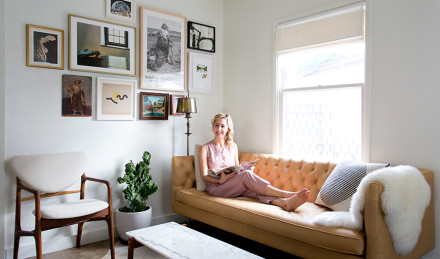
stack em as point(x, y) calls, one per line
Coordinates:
point(115, 99)
point(44, 47)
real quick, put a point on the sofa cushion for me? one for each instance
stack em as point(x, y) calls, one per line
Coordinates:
point(200, 184)
point(338, 189)
point(296, 225)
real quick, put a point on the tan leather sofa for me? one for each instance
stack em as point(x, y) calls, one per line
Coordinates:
point(294, 232)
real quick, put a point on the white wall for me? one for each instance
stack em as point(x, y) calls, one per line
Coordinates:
point(404, 65)
point(34, 123)
point(2, 129)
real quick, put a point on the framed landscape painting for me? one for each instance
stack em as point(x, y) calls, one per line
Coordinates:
point(122, 10)
point(201, 37)
point(102, 47)
point(163, 50)
point(44, 47)
point(115, 99)
point(153, 106)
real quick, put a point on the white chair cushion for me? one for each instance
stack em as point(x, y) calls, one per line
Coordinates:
point(72, 209)
point(49, 173)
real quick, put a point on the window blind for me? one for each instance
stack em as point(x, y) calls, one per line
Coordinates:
point(340, 24)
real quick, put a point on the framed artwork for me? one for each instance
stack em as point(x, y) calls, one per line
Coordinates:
point(173, 104)
point(115, 99)
point(44, 47)
point(122, 10)
point(153, 106)
point(201, 73)
point(201, 37)
point(163, 50)
point(102, 47)
point(77, 96)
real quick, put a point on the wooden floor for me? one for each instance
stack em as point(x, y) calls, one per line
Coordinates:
point(101, 250)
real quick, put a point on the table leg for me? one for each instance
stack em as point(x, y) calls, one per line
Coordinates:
point(132, 244)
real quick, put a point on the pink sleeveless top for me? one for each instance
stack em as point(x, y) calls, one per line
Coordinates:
point(219, 159)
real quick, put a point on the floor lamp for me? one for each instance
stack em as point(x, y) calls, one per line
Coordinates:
point(187, 105)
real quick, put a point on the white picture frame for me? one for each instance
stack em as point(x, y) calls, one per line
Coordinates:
point(162, 50)
point(121, 10)
point(201, 73)
point(115, 98)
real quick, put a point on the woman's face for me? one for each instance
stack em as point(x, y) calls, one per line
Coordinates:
point(220, 128)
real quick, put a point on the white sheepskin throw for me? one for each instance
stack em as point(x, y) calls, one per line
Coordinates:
point(405, 198)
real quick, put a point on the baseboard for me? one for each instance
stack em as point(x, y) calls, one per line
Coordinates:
point(96, 235)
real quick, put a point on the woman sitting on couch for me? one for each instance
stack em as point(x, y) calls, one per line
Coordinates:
point(223, 152)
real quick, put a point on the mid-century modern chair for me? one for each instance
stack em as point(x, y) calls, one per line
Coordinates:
point(50, 175)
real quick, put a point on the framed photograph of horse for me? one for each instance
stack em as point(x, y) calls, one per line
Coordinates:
point(163, 50)
point(45, 47)
point(201, 37)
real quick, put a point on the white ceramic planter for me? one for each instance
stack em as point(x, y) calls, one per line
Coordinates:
point(127, 221)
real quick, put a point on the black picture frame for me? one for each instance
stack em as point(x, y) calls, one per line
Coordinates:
point(201, 37)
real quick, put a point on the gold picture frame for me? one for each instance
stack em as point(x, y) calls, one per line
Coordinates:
point(162, 51)
point(44, 47)
point(102, 47)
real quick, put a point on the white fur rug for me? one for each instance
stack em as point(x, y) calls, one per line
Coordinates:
point(405, 198)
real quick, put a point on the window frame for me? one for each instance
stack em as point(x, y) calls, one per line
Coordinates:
point(365, 87)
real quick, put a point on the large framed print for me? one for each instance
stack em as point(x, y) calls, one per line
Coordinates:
point(201, 73)
point(122, 10)
point(153, 106)
point(115, 99)
point(163, 50)
point(102, 47)
point(45, 47)
point(201, 37)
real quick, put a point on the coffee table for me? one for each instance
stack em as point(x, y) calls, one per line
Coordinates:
point(176, 241)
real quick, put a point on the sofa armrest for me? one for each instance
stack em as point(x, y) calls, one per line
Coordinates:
point(378, 241)
point(183, 176)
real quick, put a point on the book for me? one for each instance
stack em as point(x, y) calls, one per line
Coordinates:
point(232, 169)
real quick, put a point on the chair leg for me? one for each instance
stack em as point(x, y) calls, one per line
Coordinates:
point(78, 236)
point(111, 235)
point(16, 244)
point(38, 245)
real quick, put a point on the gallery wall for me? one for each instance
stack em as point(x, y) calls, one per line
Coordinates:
point(34, 124)
point(402, 64)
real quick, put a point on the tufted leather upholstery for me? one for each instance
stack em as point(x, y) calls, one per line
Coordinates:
point(295, 232)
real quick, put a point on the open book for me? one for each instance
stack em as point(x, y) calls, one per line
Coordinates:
point(232, 169)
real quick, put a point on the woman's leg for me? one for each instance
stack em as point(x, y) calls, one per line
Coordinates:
point(293, 202)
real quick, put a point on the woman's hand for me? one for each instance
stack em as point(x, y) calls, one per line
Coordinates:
point(225, 177)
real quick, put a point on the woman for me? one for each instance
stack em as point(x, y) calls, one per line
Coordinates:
point(223, 152)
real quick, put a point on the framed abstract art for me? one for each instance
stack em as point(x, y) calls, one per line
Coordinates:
point(115, 99)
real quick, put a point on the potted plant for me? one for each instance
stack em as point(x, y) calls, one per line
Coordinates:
point(136, 214)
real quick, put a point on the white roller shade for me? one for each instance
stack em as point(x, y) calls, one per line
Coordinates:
point(340, 24)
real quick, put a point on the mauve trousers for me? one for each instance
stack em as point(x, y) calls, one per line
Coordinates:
point(246, 184)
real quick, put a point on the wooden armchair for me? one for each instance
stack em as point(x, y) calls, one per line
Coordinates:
point(50, 175)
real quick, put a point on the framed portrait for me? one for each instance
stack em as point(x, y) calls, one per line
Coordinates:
point(153, 106)
point(163, 50)
point(44, 47)
point(201, 37)
point(76, 96)
point(122, 10)
point(102, 47)
point(115, 99)
point(173, 103)
point(201, 73)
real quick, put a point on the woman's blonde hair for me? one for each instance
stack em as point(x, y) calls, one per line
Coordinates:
point(229, 138)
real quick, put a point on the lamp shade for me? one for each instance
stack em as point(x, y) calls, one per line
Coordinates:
point(186, 105)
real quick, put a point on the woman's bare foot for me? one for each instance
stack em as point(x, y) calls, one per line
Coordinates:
point(293, 202)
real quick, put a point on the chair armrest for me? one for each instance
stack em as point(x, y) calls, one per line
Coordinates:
point(378, 241)
point(84, 178)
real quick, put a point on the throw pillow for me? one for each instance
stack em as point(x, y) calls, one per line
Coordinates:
point(201, 185)
point(338, 189)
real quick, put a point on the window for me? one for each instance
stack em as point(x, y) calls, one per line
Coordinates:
point(115, 38)
point(320, 79)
